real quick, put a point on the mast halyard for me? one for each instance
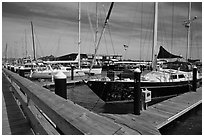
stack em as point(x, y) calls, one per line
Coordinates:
point(103, 30)
point(155, 34)
point(79, 42)
point(33, 41)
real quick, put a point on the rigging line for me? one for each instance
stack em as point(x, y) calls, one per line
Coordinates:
point(197, 41)
point(148, 38)
point(133, 26)
point(105, 43)
point(108, 27)
point(102, 32)
point(161, 24)
point(90, 24)
point(165, 40)
point(98, 99)
point(39, 46)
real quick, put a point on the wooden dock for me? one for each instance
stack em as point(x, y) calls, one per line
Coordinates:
point(71, 118)
point(13, 120)
point(160, 114)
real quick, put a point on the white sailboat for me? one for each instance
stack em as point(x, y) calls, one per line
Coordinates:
point(161, 82)
point(50, 70)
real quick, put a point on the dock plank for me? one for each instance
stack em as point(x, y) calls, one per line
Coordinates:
point(133, 123)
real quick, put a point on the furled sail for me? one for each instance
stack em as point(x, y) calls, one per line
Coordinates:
point(165, 54)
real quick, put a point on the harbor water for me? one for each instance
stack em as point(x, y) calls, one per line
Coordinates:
point(189, 124)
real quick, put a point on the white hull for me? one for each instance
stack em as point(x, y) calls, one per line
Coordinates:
point(93, 70)
point(48, 74)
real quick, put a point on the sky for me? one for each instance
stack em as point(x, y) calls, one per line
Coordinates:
point(130, 23)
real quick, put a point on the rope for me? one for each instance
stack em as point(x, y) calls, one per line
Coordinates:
point(108, 27)
point(39, 46)
point(98, 99)
point(104, 36)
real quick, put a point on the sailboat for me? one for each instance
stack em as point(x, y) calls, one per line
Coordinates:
point(162, 82)
point(28, 65)
point(53, 67)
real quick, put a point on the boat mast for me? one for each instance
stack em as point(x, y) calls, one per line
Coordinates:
point(155, 33)
point(79, 42)
point(33, 41)
point(6, 52)
point(188, 32)
point(96, 25)
point(187, 24)
point(103, 30)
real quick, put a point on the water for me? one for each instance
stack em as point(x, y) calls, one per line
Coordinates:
point(189, 124)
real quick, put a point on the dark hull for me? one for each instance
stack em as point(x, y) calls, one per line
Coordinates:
point(110, 91)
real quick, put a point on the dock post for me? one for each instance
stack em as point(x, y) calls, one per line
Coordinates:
point(12, 69)
point(72, 72)
point(137, 92)
point(60, 84)
point(194, 84)
point(21, 72)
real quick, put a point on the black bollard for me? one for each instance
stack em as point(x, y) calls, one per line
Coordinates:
point(21, 72)
point(194, 84)
point(60, 85)
point(72, 72)
point(12, 68)
point(137, 92)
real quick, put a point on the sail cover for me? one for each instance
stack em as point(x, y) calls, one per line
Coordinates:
point(165, 54)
